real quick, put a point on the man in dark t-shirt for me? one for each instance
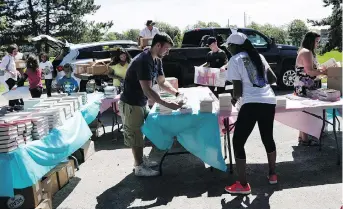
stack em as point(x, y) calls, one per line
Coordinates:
point(144, 70)
point(216, 58)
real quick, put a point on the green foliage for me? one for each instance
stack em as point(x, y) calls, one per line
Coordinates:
point(173, 31)
point(131, 34)
point(328, 55)
point(335, 23)
point(297, 29)
point(201, 24)
point(278, 33)
point(62, 19)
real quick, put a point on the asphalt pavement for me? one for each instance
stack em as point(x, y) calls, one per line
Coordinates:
point(308, 178)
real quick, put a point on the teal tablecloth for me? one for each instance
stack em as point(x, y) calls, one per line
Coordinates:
point(29, 163)
point(197, 132)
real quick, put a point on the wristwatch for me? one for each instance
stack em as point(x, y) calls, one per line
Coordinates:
point(177, 94)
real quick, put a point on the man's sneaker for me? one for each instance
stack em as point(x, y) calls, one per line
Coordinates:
point(272, 179)
point(148, 162)
point(143, 170)
point(237, 188)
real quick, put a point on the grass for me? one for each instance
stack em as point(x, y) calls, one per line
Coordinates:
point(328, 55)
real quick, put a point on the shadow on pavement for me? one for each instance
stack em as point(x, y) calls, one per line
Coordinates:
point(61, 195)
point(188, 177)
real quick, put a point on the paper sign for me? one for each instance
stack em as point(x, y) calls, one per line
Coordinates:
point(209, 76)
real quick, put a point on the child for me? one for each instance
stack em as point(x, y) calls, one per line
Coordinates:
point(34, 75)
point(67, 84)
point(47, 69)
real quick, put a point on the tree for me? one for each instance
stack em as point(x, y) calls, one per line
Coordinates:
point(131, 34)
point(59, 18)
point(173, 31)
point(271, 31)
point(335, 23)
point(201, 24)
point(297, 29)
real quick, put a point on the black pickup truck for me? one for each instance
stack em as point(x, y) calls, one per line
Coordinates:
point(180, 62)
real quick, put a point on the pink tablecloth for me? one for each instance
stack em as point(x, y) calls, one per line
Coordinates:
point(107, 103)
point(293, 115)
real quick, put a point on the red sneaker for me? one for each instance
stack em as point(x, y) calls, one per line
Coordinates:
point(272, 179)
point(237, 188)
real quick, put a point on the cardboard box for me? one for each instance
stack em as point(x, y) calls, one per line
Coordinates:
point(71, 169)
point(145, 42)
point(20, 64)
point(29, 197)
point(50, 183)
point(82, 68)
point(88, 149)
point(99, 67)
point(62, 175)
point(45, 204)
point(335, 78)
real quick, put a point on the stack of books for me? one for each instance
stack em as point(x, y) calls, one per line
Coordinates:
point(56, 116)
point(67, 109)
point(281, 102)
point(40, 127)
point(110, 92)
point(76, 99)
point(206, 105)
point(83, 96)
point(69, 103)
point(225, 102)
point(8, 137)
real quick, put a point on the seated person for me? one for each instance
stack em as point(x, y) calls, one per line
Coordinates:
point(67, 84)
point(119, 67)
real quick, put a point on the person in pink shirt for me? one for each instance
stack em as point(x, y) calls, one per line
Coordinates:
point(34, 75)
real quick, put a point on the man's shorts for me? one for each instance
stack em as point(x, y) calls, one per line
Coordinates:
point(133, 119)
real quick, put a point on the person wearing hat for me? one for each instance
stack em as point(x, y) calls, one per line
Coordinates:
point(216, 58)
point(149, 31)
point(251, 76)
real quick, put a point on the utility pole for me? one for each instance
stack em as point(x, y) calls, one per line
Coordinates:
point(228, 23)
point(245, 20)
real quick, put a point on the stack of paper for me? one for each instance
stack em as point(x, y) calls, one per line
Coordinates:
point(8, 137)
point(163, 110)
point(59, 94)
point(29, 103)
point(76, 99)
point(40, 127)
point(52, 99)
point(9, 118)
point(42, 106)
point(110, 91)
point(82, 94)
point(225, 102)
point(69, 103)
point(206, 105)
point(281, 102)
point(67, 108)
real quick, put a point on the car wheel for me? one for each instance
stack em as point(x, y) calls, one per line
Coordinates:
point(286, 80)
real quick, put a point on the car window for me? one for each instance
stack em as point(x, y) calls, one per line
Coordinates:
point(193, 38)
point(87, 53)
point(256, 39)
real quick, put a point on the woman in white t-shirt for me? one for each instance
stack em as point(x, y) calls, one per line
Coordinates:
point(47, 68)
point(251, 75)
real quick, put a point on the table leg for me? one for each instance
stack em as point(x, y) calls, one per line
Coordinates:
point(321, 132)
point(334, 132)
point(225, 138)
point(161, 162)
point(339, 123)
point(75, 161)
point(229, 147)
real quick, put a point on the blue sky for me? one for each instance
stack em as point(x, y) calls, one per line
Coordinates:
point(128, 14)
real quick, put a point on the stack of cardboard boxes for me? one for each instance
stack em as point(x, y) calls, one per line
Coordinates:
point(39, 195)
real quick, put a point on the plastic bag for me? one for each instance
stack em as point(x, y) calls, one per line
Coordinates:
point(22, 92)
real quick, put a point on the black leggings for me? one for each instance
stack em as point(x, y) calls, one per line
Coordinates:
point(36, 92)
point(248, 115)
point(48, 83)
